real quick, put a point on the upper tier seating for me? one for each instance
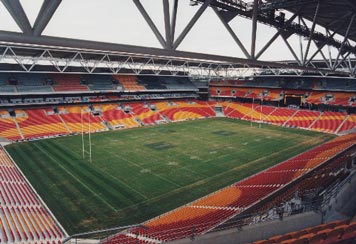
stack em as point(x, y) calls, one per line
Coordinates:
point(99, 82)
point(34, 89)
point(67, 83)
point(129, 82)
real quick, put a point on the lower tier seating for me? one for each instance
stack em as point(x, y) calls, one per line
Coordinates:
point(336, 232)
point(23, 217)
point(44, 122)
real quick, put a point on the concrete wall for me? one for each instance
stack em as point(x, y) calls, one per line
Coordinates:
point(343, 204)
point(258, 231)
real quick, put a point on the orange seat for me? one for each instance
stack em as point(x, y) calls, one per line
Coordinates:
point(351, 227)
point(315, 229)
point(297, 234)
point(264, 242)
point(280, 238)
point(324, 231)
point(317, 238)
point(336, 232)
point(294, 241)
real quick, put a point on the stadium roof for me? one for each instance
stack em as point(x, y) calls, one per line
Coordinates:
point(334, 15)
point(32, 35)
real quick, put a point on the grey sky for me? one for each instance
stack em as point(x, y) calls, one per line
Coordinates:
point(119, 21)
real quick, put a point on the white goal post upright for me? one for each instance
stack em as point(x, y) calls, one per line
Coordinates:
point(89, 138)
point(82, 122)
point(89, 135)
point(261, 111)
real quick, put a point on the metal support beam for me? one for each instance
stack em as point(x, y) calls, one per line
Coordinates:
point(138, 51)
point(285, 39)
point(167, 24)
point(232, 33)
point(269, 43)
point(337, 64)
point(254, 28)
point(150, 23)
point(174, 20)
point(322, 45)
point(47, 11)
point(345, 40)
point(300, 41)
point(191, 23)
point(322, 55)
point(18, 14)
point(311, 32)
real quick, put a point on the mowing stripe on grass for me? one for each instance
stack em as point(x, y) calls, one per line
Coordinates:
point(139, 166)
point(74, 177)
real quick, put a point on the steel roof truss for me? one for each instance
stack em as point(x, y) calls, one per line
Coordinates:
point(232, 33)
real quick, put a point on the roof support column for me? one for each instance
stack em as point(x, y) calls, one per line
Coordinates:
point(254, 28)
point(269, 43)
point(232, 33)
point(167, 24)
point(174, 19)
point(18, 14)
point(190, 25)
point(311, 32)
point(150, 23)
point(47, 11)
point(343, 42)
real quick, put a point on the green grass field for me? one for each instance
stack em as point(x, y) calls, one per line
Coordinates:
point(137, 174)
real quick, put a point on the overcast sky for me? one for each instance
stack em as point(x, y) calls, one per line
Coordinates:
point(119, 21)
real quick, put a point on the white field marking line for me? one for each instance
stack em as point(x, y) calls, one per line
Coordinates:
point(204, 180)
point(275, 153)
point(214, 207)
point(180, 167)
point(208, 178)
point(122, 182)
point(139, 166)
point(82, 183)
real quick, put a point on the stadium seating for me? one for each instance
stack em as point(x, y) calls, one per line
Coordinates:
point(99, 82)
point(8, 127)
point(206, 213)
point(333, 232)
point(79, 118)
point(37, 123)
point(280, 116)
point(117, 117)
point(328, 122)
point(129, 82)
point(67, 83)
point(23, 217)
point(303, 119)
point(349, 123)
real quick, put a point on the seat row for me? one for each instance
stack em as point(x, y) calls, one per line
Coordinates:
point(23, 218)
point(42, 123)
point(336, 232)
